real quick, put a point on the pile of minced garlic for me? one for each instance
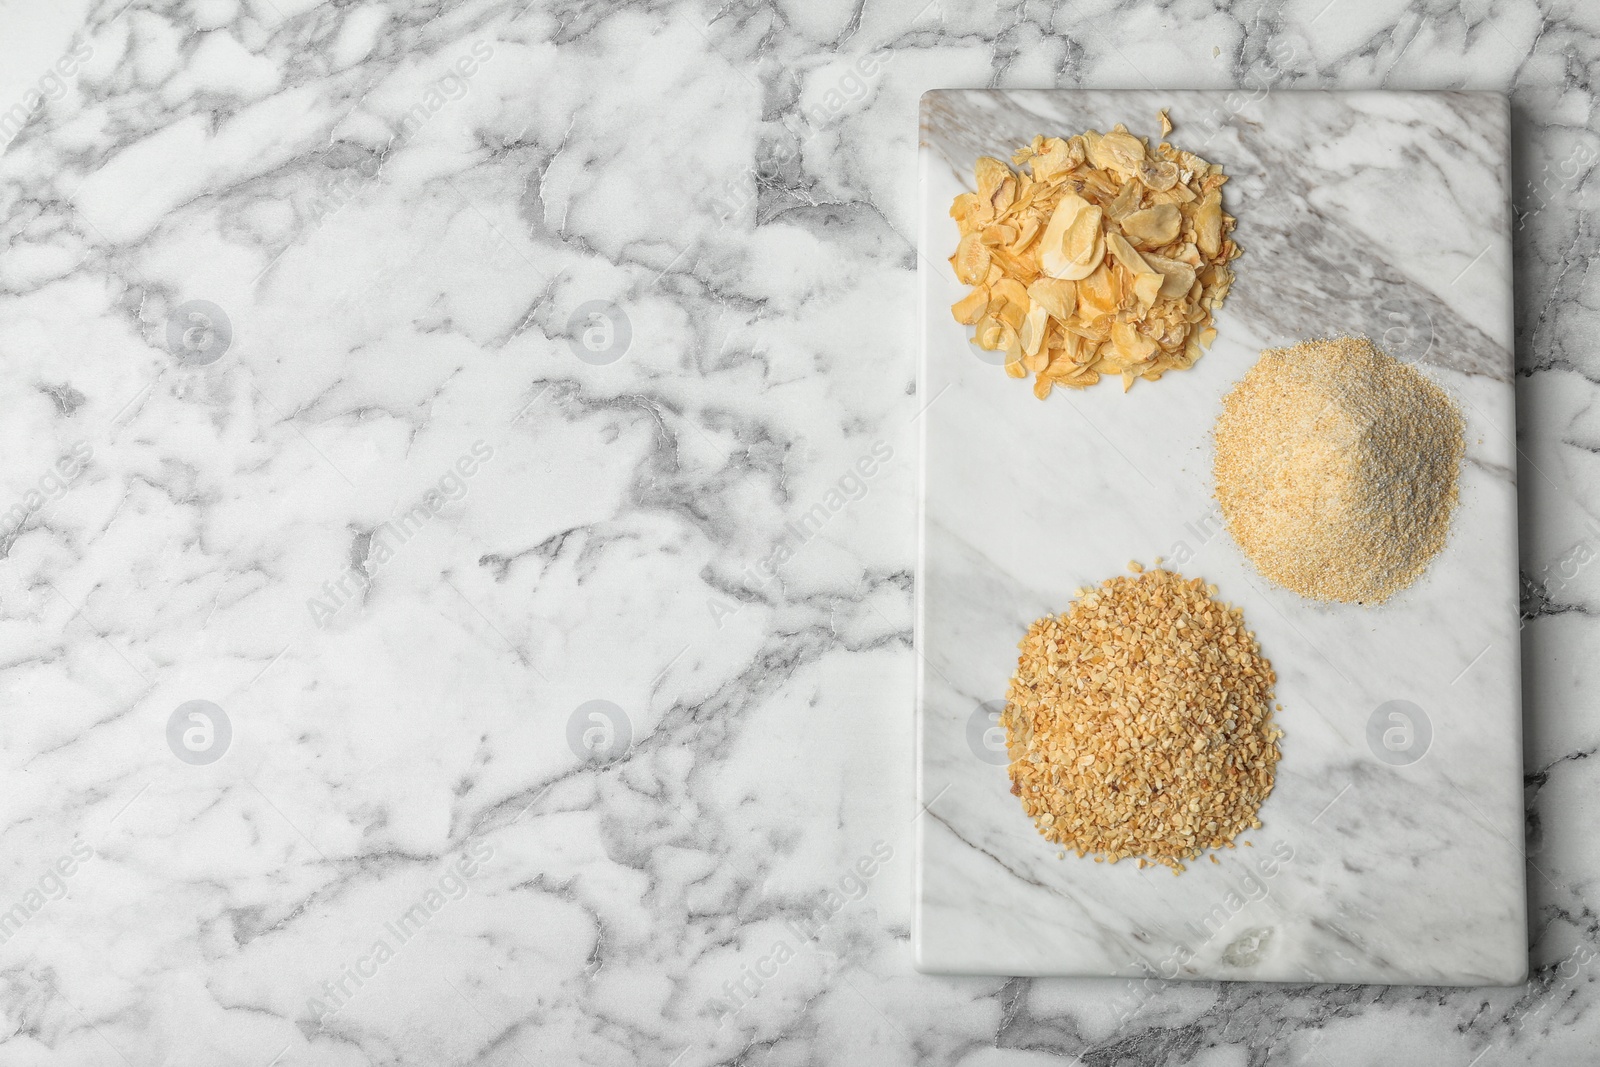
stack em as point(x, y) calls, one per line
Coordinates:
point(1139, 723)
point(1336, 469)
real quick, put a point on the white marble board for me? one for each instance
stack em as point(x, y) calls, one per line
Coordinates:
point(1383, 213)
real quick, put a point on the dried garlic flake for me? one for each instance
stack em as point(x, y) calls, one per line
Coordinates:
point(1099, 256)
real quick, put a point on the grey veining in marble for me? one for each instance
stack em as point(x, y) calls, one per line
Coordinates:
point(610, 668)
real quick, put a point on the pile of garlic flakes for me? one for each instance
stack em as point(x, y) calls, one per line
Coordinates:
point(1102, 258)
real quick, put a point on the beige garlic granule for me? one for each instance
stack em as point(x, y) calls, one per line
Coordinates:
point(1336, 468)
point(1139, 723)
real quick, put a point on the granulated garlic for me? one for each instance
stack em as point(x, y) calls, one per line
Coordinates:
point(1336, 468)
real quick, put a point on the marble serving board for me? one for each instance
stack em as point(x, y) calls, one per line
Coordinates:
point(1391, 850)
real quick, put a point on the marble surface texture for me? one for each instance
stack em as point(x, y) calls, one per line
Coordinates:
point(434, 392)
point(1380, 213)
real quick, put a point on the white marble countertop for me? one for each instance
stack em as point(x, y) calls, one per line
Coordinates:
point(498, 417)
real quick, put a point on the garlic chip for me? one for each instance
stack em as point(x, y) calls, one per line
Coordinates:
point(1100, 255)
